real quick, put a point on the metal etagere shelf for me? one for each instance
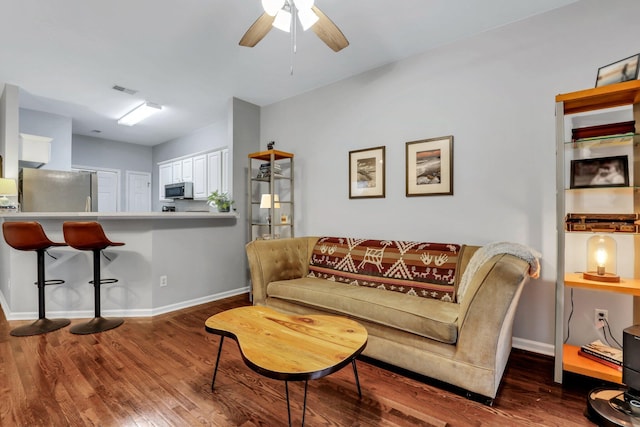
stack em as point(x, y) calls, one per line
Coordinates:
point(271, 201)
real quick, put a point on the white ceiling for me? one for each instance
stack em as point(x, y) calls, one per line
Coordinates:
point(66, 55)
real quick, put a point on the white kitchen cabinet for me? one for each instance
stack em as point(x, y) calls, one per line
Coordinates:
point(200, 177)
point(187, 170)
point(177, 171)
point(224, 170)
point(165, 176)
point(214, 172)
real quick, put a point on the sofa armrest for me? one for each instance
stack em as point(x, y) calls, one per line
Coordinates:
point(488, 309)
point(279, 259)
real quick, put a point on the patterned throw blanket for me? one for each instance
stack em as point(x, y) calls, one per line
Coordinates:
point(415, 268)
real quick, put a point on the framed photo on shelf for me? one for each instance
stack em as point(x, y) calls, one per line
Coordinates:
point(429, 167)
point(600, 172)
point(366, 173)
point(621, 71)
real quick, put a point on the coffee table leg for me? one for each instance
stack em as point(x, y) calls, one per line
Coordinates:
point(355, 371)
point(215, 371)
point(304, 405)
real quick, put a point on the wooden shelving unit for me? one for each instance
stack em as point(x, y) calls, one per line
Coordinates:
point(584, 101)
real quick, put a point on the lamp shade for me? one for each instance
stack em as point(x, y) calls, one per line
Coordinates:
point(8, 187)
point(265, 201)
point(271, 7)
point(307, 18)
point(283, 20)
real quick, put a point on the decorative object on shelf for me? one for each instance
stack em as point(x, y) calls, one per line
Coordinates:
point(608, 223)
point(367, 173)
point(601, 260)
point(600, 172)
point(7, 188)
point(621, 71)
point(265, 203)
point(264, 174)
point(429, 167)
point(622, 128)
point(222, 201)
point(270, 145)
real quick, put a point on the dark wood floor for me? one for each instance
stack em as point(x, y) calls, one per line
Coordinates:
point(157, 372)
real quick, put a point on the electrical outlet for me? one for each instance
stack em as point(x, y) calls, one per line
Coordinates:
point(601, 316)
point(163, 281)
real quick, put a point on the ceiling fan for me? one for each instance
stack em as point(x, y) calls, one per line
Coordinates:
point(282, 15)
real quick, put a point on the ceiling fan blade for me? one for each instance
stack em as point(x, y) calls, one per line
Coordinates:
point(329, 32)
point(257, 31)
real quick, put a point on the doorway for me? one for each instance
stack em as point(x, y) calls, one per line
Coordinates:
point(138, 191)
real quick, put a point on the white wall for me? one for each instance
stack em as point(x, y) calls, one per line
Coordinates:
point(495, 94)
point(53, 126)
point(103, 153)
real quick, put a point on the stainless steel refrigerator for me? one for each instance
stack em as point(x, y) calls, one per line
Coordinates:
point(42, 190)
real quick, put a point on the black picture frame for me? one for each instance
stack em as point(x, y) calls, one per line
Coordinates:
point(600, 172)
point(621, 71)
point(367, 173)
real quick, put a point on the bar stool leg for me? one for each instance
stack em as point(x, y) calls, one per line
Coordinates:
point(98, 323)
point(42, 325)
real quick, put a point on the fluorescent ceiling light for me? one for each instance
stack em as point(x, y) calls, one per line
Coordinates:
point(139, 113)
point(283, 20)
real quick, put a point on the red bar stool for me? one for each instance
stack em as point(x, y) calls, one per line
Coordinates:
point(29, 236)
point(89, 236)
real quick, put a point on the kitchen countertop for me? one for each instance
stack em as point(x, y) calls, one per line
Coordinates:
point(118, 215)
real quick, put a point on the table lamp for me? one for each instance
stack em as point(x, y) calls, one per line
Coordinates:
point(265, 203)
point(7, 188)
point(601, 259)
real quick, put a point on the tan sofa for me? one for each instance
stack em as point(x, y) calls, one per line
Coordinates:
point(465, 342)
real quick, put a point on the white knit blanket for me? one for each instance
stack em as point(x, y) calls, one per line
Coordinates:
point(486, 252)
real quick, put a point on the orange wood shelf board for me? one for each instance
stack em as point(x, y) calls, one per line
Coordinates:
point(266, 155)
point(610, 96)
point(573, 362)
point(625, 286)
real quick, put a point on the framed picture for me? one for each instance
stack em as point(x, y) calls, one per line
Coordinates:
point(600, 172)
point(621, 71)
point(429, 168)
point(366, 173)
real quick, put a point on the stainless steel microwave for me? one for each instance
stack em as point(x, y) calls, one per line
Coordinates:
point(179, 190)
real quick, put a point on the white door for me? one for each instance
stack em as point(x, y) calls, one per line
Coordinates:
point(108, 191)
point(138, 191)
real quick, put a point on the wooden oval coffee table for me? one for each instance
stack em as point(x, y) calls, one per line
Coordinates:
point(290, 347)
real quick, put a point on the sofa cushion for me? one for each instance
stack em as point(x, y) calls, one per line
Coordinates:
point(421, 316)
point(414, 268)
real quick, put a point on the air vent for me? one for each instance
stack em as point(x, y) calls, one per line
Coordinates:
point(124, 89)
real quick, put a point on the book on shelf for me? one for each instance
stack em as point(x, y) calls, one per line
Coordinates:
point(603, 352)
point(599, 360)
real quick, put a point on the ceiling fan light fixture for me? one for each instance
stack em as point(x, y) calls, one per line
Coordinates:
point(139, 113)
point(271, 7)
point(304, 4)
point(307, 18)
point(283, 20)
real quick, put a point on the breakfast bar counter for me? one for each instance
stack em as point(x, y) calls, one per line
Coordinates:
point(170, 260)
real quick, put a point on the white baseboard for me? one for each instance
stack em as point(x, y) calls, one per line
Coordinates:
point(533, 346)
point(121, 313)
